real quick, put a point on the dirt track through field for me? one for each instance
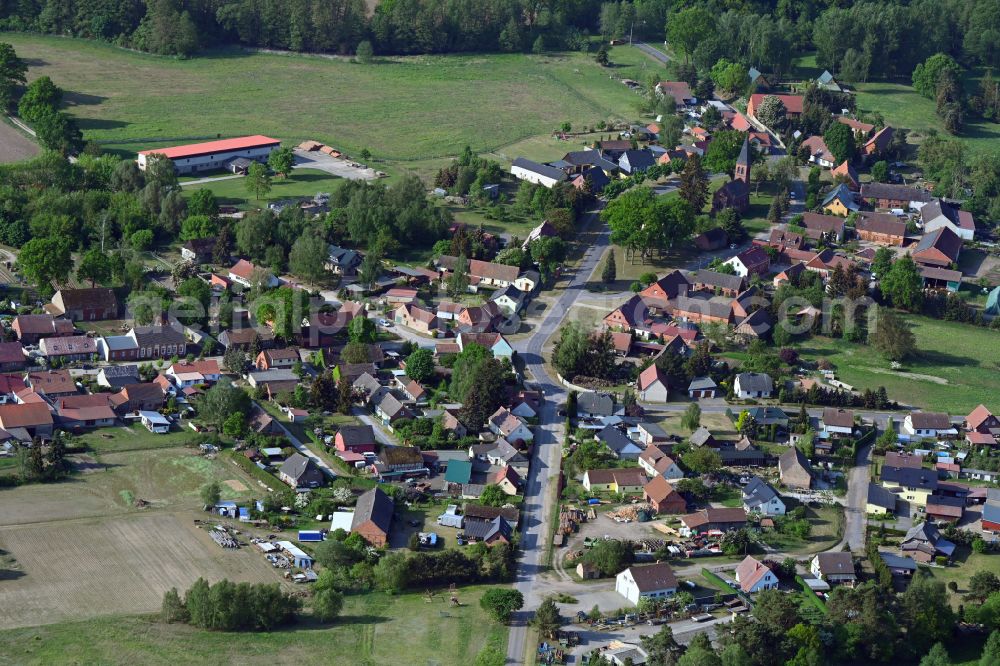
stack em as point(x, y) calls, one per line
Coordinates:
point(74, 569)
point(14, 146)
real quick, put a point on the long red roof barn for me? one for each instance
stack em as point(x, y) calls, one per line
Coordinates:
point(212, 147)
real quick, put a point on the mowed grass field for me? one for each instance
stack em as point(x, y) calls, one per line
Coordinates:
point(14, 144)
point(401, 109)
point(374, 629)
point(300, 183)
point(957, 366)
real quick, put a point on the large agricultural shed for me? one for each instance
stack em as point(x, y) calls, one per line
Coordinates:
point(213, 155)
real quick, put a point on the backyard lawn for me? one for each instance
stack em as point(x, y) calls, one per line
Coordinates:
point(133, 438)
point(300, 183)
point(965, 564)
point(955, 368)
point(373, 629)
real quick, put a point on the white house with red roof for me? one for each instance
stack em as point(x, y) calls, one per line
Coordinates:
point(752, 261)
point(754, 576)
point(653, 385)
point(212, 155)
point(243, 273)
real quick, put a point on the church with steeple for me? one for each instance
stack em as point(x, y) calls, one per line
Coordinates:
point(736, 193)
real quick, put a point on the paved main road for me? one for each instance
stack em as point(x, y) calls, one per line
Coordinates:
point(653, 52)
point(539, 499)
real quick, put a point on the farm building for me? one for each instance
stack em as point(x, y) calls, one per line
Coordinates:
point(373, 517)
point(212, 155)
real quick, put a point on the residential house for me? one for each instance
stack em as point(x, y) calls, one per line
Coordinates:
point(819, 154)
point(300, 472)
point(479, 318)
point(760, 497)
point(246, 273)
point(341, 261)
point(190, 373)
point(118, 376)
point(373, 517)
point(580, 162)
point(931, 425)
point(819, 226)
point(118, 348)
point(840, 201)
point(653, 581)
point(755, 325)
point(272, 359)
point(510, 299)
point(838, 421)
point(754, 576)
point(899, 566)
point(72, 348)
point(880, 500)
point(539, 174)
point(752, 261)
point(415, 317)
point(635, 161)
point(713, 520)
point(721, 283)
point(794, 469)
point(389, 409)
point(591, 179)
point(834, 568)
point(847, 175)
point(882, 228)
point(793, 104)
point(982, 420)
point(702, 387)
point(619, 480)
point(662, 496)
point(679, 90)
point(649, 434)
point(412, 391)
point(915, 485)
point(356, 438)
point(451, 424)
point(508, 479)
point(34, 417)
point(139, 397)
point(161, 341)
point(945, 509)
point(621, 447)
point(619, 653)
point(512, 428)
point(399, 461)
point(495, 342)
point(12, 356)
point(51, 383)
point(938, 248)
point(790, 274)
point(199, 250)
point(594, 405)
point(653, 385)
point(878, 144)
point(767, 416)
point(491, 532)
point(781, 239)
point(888, 195)
point(274, 381)
point(655, 462)
point(85, 411)
point(703, 310)
point(32, 328)
point(629, 316)
point(753, 385)
point(924, 543)
point(86, 304)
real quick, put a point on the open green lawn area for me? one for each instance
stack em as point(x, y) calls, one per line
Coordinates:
point(954, 369)
point(133, 438)
point(827, 528)
point(903, 107)
point(401, 109)
point(300, 183)
point(965, 563)
point(374, 629)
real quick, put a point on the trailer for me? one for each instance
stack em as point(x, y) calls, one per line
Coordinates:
point(310, 536)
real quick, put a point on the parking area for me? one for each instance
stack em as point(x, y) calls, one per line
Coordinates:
point(334, 166)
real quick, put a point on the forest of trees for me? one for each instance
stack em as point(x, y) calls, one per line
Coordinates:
point(855, 40)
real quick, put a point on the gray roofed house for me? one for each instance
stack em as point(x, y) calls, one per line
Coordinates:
point(488, 531)
point(881, 498)
point(760, 496)
point(367, 383)
point(753, 385)
point(595, 404)
point(300, 472)
point(526, 169)
point(769, 416)
point(118, 376)
point(702, 437)
point(342, 261)
point(899, 566)
point(390, 408)
point(707, 278)
point(888, 192)
point(633, 161)
point(834, 567)
point(373, 517)
point(581, 158)
point(618, 442)
point(909, 477)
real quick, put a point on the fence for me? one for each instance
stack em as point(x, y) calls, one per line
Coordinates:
point(811, 594)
